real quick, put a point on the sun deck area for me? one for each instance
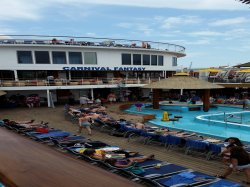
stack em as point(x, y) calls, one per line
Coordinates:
point(195, 162)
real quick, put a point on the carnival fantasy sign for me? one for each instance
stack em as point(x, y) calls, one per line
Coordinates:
point(104, 68)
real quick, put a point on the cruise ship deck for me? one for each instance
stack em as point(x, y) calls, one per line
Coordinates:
point(195, 162)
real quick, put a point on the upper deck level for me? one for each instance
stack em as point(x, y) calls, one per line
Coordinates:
point(91, 42)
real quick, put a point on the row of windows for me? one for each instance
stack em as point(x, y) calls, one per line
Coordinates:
point(139, 59)
point(58, 57)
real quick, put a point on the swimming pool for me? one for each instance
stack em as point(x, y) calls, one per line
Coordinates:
point(216, 123)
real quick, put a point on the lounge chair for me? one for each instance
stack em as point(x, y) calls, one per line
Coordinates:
point(68, 141)
point(189, 178)
point(164, 170)
point(35, 133)
point(149, 163)
point(220, 183)
point(214, 150)
point(52, 134)
point(198, 146)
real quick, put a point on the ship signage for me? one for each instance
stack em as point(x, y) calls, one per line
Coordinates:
point(103, 68)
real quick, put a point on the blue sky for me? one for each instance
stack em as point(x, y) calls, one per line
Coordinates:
point(214, 32)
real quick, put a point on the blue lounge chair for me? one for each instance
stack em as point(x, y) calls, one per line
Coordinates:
point(34, 133)
point(174, 141)
point(185, 179)
point(149, 163)
point(51, 135)
point(220, 183)
point(164, 170)
point(69, 141)
point(214, 150)
point(197, 146)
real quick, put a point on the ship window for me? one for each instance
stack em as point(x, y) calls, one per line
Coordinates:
point(153, 60)
point(136, 59)
point(7, 75)
point(59, 57)
point(174, 61)
point(42, 57)
point(160, 60)
point(90, 58)
point(126, 59)
point(24, 57)
point(146, 59)
point(75, 58)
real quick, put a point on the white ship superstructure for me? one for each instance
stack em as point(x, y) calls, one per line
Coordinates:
point(45, 64)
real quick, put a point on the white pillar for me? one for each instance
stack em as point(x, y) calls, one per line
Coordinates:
point(181, 91)
point(15, 75)
point(92, 94)
point(48, 98)
point(70, 75)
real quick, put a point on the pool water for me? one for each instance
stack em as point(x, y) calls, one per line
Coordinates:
point(221, 122)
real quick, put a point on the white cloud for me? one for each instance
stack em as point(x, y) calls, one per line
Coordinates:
point(33, 10)
point(6, 30)
point(136, 27)
point(206, 33)
point(181, 20)
point(91, 34)
point(125, 25)
point(178, 4)
point(241, 48)
point(232, 21)
point(20, 9)
point(198, 42)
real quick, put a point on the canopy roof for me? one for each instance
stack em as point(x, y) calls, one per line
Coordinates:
point(211, 70)
point(244, 71)
point(182, 82)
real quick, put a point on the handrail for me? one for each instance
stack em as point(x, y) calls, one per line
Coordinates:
point(74, 81)
point(76, 40)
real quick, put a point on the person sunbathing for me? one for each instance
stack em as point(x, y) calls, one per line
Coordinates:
point(178, 133)
point(124, 163)
point(185, 134)
point(139, 125)
point(25, 122)
point(106, 119)
point(99, 109)
point(33, 125)
point(101, 154)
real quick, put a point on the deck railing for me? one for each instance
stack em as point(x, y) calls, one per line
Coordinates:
point(227, 80)
point(119, 82)
point(88, 41)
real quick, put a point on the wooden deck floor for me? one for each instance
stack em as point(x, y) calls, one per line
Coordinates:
point(56, 119)
point(30, 164)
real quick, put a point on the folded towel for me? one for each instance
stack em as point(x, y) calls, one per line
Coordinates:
point(187, 175)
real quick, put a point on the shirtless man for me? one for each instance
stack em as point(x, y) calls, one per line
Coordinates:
point(139, 125)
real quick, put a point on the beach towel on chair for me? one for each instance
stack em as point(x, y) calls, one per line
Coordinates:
point(137, 170)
